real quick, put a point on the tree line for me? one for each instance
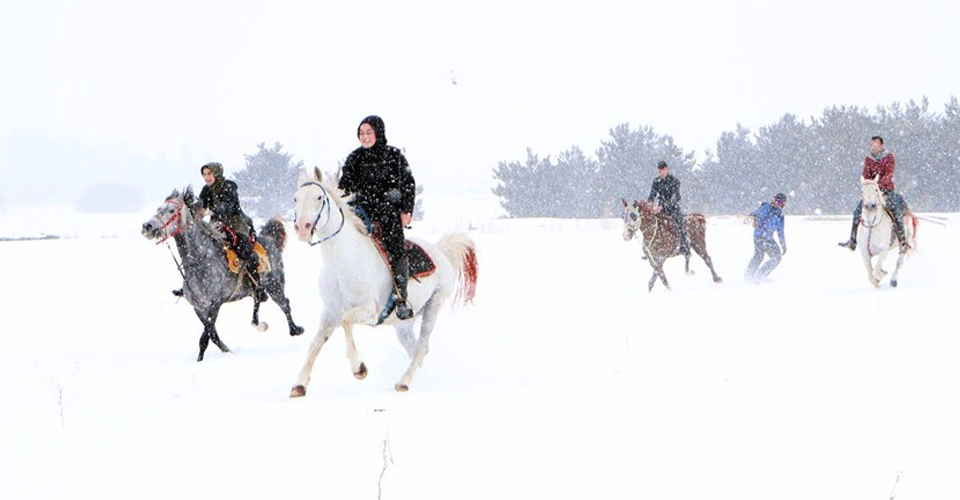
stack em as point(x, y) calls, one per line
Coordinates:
point(816, 162)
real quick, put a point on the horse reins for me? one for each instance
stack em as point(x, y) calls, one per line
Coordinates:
point(326, 197)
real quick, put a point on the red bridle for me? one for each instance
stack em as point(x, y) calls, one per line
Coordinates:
point(177, 216)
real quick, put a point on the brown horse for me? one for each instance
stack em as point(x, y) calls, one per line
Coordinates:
point(660, 241)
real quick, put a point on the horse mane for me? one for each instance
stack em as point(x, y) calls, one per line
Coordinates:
point(206, 227)
point(342, 202)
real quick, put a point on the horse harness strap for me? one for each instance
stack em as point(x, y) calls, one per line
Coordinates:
point(326, 197)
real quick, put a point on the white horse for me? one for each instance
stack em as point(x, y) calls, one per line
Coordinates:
point(877, 234)
point(356, 281)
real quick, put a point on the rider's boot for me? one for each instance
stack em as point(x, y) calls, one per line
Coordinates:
point(852, 242)
point(401, 271)
point(252, 264)
point(901, 234)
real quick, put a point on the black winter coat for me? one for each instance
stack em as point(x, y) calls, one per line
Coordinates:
point(222, 199)
point(667, 189)
point(380, 178)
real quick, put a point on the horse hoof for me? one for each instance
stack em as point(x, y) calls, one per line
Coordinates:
point(690, 272)
point(298, 391)
point(296, 331)
point(401, 387)
point(893, 283)
point(361, 373)
point(261, 327)
point(718, 280)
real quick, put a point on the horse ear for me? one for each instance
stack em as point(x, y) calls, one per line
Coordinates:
point(317, 174)
point(188, 195)
point(624, 201)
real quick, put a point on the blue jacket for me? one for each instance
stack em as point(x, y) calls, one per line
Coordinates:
point(767, 220)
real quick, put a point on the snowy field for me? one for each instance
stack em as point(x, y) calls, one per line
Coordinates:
point(565, 379)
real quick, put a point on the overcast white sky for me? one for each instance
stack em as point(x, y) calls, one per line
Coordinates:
point(222, 77)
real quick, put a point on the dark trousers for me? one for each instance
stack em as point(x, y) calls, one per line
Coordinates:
point(763, 248)
point(680, 226)
point(388, 230)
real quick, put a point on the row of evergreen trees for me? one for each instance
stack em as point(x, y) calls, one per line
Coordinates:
point(816, 162)
point(267, 181)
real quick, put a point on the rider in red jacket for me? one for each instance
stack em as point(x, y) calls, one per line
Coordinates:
point(880, 163)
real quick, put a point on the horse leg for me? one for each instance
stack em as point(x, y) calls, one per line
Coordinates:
point(686, 264)
point(261, 327)
point(404, 332)
point(431, 310)
point(358, 368)
point(209, 320)
point(699, 243)
point(303, 379)
point(657, 272)
point(275, 285)
point(896, 272)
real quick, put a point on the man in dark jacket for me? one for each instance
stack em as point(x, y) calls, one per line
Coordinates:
point(880, 163)
point(384, 194)
point(666, 188)
point(220, 197)
point(768, 219)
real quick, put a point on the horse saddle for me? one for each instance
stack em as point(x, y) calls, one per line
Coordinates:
point(421, 265)
point(234, 262)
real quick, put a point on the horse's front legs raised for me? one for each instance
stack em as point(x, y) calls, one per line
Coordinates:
point(326, 329)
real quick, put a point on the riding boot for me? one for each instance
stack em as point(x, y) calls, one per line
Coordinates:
point(852, 242)
point(252, 264)
point(897, 209)
point(401, 272)
point(684, 239)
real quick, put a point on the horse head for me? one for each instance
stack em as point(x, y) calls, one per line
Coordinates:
point(871, 194)
point(172, 217)
point(311, 204)
point(632, 216)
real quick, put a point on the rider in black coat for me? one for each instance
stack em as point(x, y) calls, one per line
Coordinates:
point(666, 187)
point(384, 194)
point(220, 197)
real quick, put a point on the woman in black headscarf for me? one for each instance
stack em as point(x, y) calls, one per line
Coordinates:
point(385, 191)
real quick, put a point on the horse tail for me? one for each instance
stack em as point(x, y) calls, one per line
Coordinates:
point(915, 222)
point(461, 251)
point(274, 229)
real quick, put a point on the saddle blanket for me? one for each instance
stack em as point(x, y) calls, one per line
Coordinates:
point(421, 265)
point(234, 262)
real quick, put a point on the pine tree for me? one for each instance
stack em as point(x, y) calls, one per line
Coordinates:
point(268, 182)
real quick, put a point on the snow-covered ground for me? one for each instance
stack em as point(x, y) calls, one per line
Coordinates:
point(565, 379)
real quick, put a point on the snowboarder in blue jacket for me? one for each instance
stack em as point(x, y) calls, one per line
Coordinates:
point(767, 220)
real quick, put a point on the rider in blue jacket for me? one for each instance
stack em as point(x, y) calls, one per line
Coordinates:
point(768, 219)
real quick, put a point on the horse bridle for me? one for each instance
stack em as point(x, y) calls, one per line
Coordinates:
point(178, 217)
point(876, 209)
point(313, 229)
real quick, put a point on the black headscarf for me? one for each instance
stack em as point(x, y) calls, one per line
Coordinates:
point(376, 123)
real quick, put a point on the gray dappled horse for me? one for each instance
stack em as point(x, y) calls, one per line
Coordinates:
point(208, 281)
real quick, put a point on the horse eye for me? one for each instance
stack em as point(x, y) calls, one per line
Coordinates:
point(633, 216)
